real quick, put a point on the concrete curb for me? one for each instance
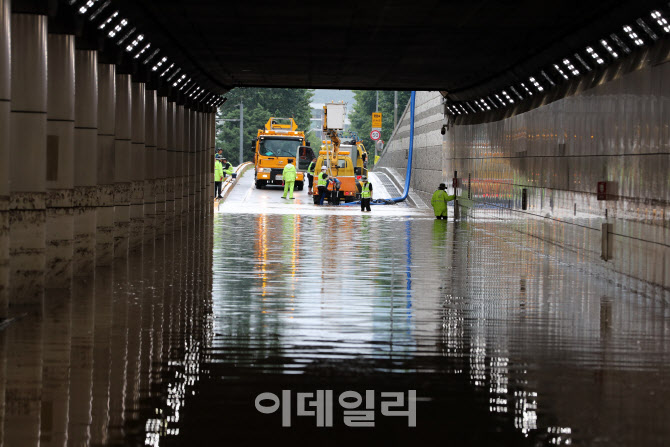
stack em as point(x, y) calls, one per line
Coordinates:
point(230, 184)
point(399, 183)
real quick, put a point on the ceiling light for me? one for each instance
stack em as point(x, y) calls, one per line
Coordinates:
point(86, 6)
point(109, 19)
point(594, 55)
point(558, 69)
point(661, 21)
point(526, 89)
point(633, 35)
point(509, 99)
point(609, 49)
point(146, 47)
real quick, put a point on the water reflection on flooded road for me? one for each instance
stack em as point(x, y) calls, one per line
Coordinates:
point(504, 342)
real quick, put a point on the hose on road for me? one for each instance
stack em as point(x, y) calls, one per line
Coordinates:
point(408, 174)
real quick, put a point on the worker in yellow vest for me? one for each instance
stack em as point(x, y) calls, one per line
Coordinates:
point(218, 177)
point(310, 176)
point(322, 184)
point(365, 188)
point(439, 201)
point(227, 167)
point(288, 175)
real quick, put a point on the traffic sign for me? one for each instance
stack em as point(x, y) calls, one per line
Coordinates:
point(375, 135)
point(377, 120)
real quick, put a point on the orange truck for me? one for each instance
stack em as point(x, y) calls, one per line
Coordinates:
point(340, 166)
point(273, 146)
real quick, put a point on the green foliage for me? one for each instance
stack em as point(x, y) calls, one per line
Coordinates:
point(314, 141)
point(361, 115)
point(259, 105)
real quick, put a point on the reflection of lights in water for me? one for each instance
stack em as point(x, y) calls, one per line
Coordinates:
point(524, 402)
point(452, 327)
point(262, 252)
point(560, 435)
point(295, 248)
point(498, 386)
point(478, 363)
point(525, 416)
point(159, 427)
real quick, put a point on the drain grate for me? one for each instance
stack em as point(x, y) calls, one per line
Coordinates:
point(388, 184)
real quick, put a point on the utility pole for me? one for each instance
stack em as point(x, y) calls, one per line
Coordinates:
point(241, 132)
point(395, 109)
point(241, 121)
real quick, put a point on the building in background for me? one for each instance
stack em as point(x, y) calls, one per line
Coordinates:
point(320, 98)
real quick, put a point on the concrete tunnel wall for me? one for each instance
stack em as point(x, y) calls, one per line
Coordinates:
point(97, 158)
point(616, 132)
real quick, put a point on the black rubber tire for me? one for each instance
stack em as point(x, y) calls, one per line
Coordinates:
point(260, 184)
point(299, 186)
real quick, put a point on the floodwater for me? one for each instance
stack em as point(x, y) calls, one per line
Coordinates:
point(500, 340)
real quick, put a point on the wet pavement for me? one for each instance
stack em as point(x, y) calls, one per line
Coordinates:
point(502, 339)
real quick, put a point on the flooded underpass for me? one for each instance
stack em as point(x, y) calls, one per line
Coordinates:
point(288, 322)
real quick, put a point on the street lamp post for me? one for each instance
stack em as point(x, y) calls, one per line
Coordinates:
point(395, 109)
point(241, 121)
point(241, 132)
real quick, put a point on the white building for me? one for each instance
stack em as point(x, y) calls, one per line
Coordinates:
point(316, 121)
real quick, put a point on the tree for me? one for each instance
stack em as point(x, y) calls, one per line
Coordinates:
point(361, 116)
point(259, 105)
point(314, 141)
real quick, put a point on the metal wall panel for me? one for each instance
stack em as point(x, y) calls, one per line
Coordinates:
point(616, 132)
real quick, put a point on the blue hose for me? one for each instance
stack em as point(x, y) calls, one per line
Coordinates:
point(408, 174)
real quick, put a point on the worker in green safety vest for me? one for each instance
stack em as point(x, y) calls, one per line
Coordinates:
point(310, 175)
point(365, 188)
point(439, 201)
point(322, 184)
point(227, 167)
point(218, 177)
point(288, 175)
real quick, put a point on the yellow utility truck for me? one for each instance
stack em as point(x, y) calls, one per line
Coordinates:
point(339, 163)
point(358, 153)
point(274, 145)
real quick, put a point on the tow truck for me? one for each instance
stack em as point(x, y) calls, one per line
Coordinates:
point(273, 146)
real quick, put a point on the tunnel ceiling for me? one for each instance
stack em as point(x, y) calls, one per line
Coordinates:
point(463, 48)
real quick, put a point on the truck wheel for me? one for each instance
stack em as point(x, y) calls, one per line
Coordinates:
point(260, 184)
point(298, 186)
